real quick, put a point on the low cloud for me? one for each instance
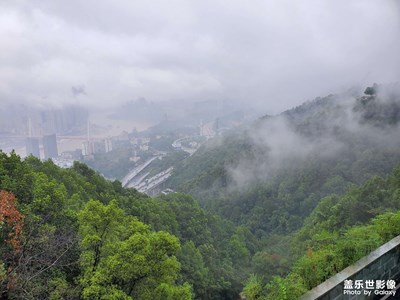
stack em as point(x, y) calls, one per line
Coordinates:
point(268, 54)
point(320, 129)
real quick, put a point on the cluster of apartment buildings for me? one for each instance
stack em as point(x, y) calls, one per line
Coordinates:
point(49, 143)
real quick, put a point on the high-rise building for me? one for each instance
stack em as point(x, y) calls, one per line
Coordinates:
point(88, 148)
point(63, 121)
point(99, 146)
point(108, 145)
point(50, 146)
point(32, 147)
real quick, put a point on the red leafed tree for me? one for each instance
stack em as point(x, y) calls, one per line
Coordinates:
point(11, 220)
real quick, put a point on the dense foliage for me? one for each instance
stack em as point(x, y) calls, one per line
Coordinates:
point(329, 151)
point(340, 231)
point(70, 234)
point(113, 164)
point(271, 177)
point(289, 200)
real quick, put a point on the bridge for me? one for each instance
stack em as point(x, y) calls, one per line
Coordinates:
point(134, 172)
point(177, 144)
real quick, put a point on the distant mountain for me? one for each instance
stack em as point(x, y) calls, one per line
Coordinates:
point(315, 178)
point(270, 176)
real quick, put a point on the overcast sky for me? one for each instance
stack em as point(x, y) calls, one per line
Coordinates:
point(279, 53)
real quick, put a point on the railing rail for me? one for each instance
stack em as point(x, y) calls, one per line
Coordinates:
point(381, 264)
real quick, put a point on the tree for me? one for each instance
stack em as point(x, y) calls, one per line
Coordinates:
point(11, 220)
point(122, 259)
point(11, 225)
point(371, 90)
point(193, 269)
point(254, 288)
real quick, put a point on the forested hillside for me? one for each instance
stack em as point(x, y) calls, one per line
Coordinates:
point(339, 231)
point(70, 234)
point(270, 176)
point(283, 204)
point(274, 175)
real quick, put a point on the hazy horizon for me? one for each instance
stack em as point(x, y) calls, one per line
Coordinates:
point(270, 55)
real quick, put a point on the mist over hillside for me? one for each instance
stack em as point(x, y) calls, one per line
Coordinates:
point(322, 129)
point(286, 163)
point(175, 150)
